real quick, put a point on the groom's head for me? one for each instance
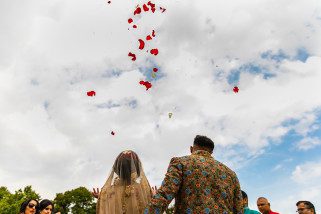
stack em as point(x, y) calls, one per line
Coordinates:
point(202, 143)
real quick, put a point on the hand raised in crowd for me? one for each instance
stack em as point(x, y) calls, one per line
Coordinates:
point(95, 192)
point(154, 190)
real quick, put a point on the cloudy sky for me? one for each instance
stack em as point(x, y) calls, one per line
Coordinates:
point(55, 137)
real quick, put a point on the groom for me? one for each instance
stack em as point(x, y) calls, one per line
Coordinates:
point(199, 184)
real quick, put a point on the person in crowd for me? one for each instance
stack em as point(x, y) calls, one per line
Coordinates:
point(264, 206)
point(126, 190)
point(199, 184)
point(305, 207)
point(46, 207)
point(246, 208)
point(29, 206)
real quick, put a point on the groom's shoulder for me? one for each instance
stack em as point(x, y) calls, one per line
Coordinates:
point(181, 159)
point(225, 168)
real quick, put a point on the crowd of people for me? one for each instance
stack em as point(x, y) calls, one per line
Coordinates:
point(198, 183)
point(32, 206)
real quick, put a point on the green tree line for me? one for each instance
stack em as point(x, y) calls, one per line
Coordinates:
point(77, 201)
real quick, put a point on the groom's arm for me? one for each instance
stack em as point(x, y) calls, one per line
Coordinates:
point(238, 201)
point(169, 188)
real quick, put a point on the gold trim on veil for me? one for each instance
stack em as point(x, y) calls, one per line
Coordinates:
point(126, 190)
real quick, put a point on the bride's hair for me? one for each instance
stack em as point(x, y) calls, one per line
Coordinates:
point(125, 164)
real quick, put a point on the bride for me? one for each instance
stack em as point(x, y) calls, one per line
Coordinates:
point(127, 189)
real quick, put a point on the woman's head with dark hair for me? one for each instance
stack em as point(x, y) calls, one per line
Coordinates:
point(46, 206)
point(203, 143)
point(125, 164)
point(29, 206)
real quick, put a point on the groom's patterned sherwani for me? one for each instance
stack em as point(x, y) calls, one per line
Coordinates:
point(199, 185)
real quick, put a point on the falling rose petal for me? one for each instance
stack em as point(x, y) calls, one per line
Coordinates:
point(130, 20)
point(153, 33)
point(132, 55)
point(109, 2)
point(162, 9)
point(147, 84)
point(154, 51)
point(152, 6)
point(148, 37)
point(141, 44)
point(155, 69)
point(137, 11)
point(145, 8)
point(149, 3)
point(134, 26)
point(112, 133)
point(153, 75)
point(236, 89)
point(91, 93)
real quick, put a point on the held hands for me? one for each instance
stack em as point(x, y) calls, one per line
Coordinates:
point(95, 192)
point(154, 190)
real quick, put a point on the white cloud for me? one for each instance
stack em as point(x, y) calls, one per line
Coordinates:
point(307, 178)
point(72, 47)
point(307, 172)
point(308, 143)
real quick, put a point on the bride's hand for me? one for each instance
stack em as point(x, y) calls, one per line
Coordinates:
point(95, 192)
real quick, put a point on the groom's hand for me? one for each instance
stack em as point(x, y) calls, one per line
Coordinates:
point(154, 190)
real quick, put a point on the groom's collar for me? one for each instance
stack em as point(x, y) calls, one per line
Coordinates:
point(202, 153)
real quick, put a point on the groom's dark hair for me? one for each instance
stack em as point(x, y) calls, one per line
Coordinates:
point(203, 141)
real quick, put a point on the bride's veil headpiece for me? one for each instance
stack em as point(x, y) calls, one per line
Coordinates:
point(127, 189)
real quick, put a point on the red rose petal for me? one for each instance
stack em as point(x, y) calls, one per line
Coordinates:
point(141, 44)
point(152, 6)
point(153, 33)
point(236, 89)
point(130, 20)
point(155, 69)
point(137, 11)
point(112, 133)
point(148, 37)
point(145, 8)
point(91, 93)
point(132, 55)
point(134, 26)
point(154, 51)
point(147, 84)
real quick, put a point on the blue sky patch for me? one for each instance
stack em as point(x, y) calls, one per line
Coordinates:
point(148, 72)
point(278, 57)
point(302, 55)
point(278, 161)
point(234, 76)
